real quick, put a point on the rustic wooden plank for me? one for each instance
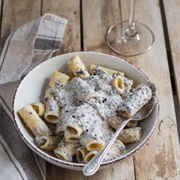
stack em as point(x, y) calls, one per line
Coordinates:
point(161, 155)
point(172, 13)
point(54, 173)
point(172, 16)
point(121, 170)
point(95, 26)
point(164, 143)
point(17, 12)
point(97, 18)
point(159, 159)
point(69, 9)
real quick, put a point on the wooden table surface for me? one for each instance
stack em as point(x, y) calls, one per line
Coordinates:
point(88, 21)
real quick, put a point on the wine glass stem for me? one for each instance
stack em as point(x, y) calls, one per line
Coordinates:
point(131, 31)
point(131, 17)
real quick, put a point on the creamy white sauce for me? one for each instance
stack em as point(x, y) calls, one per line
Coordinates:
point(88, 103)
point(136, 99)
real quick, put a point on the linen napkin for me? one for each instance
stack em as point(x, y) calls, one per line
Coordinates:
point(20, 51)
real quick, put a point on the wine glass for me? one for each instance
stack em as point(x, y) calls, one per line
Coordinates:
point(130, 38)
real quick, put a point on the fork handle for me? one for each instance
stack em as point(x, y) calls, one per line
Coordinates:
point(93, 165)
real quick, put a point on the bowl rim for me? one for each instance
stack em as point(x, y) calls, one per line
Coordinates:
point(67, 164)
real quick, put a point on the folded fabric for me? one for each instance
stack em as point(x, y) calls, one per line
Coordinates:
point(20, 51)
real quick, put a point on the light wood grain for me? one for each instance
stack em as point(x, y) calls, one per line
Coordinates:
point(69, 9)
point(120, 170)
point(172, 12)
point(155, 65)
point(54, 173)
point(17, 12)
point(172, 15)
point(160, 158)
point(95, 25)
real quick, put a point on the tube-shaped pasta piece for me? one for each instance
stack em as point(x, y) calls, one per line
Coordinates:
point(71, 137)
point(66, 150)
point(93, 139)
point(33, 121)
point(80, 154)
point(131, 124)
point(110, 71)
point(73, 129)
point(48, 143)
point(116, 149)
point(39, 108)
point(77, 67)
point(93, 145)
point(52, 111)
point(115, 122)
point(58, 79)
point(89, 156)
point(118, 84)
point(122, 85)
point(136, 99)
point(130, 135)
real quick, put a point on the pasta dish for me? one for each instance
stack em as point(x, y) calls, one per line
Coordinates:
point(81, 112)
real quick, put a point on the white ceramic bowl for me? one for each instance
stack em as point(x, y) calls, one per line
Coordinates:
point(32, 89)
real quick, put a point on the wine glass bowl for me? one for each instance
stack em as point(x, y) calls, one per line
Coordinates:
point(130, 38)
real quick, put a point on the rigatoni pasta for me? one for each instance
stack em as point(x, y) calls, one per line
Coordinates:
point(130, 135)
point(122, 85)
point(39, 108)
point(71, 137)
point(77, 67)
point(89, 156)
point(93, 145)
point(115, 121)
point(81, 152)
point(113, 72)
point(86, 111)
point(135, 100)
point(66, 150)
point(48, 143)
point(33, 121)
point(52, 110)
point(115, 150)
point(73, 129)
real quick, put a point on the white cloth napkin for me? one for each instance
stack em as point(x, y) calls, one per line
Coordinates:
point(20, 51)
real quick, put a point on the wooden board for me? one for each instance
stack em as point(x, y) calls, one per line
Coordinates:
point(172, 15)
point(97, 22)
point(69, 9)
point(164, 143)
point(160, 157)
point(17, 12)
